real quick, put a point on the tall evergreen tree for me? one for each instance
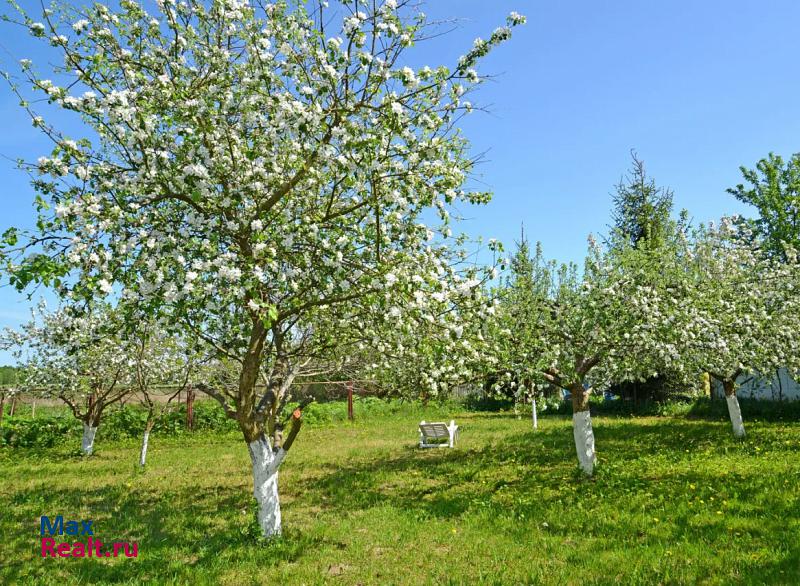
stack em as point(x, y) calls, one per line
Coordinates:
point(641, 208)
point(642, 221)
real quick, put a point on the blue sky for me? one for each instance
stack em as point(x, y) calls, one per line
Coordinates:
point(697, 88)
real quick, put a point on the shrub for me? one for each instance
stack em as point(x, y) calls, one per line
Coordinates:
point(46, 432)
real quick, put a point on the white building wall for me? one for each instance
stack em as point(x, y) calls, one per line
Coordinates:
point(779, 387)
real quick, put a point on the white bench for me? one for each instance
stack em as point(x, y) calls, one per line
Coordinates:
point(437, 435)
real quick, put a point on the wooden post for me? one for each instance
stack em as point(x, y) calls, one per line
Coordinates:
point(13, 406)
point(2, 404)
point(190, 409)
point(350, 400)
point(33, 409)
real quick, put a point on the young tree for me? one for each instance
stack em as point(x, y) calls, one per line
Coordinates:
point(529, 286)
point(773, 188)
point(159, 361)
point(254, 174)
point(77, 357)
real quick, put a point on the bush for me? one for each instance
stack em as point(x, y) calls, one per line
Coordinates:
point(485, 402)
point(208, 416)
point(24, 432)
point(128, 421)
point(334, 412)
point(124, 422)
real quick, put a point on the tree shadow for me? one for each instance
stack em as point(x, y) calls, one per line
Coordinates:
point(201, 526)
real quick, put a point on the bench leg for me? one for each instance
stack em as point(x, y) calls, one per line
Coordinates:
point(453, 435)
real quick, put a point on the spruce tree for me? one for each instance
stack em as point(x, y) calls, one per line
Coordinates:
point(641, 208)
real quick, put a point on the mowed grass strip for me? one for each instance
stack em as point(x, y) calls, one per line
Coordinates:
point(673, 501)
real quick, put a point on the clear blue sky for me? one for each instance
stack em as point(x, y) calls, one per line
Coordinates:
point(697, 88)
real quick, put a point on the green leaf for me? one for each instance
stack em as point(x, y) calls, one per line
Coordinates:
point(10, 237)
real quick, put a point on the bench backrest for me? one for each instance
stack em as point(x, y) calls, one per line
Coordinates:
point(434, 430)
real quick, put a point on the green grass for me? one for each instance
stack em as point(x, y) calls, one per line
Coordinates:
point(674, 501)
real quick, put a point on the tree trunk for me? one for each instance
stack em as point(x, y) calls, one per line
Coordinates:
point(2, 405)
point(350, 414)
point(13, 407)
point(582, 428)
point(708, 388)
point(534, 414)
point(733, 407)
point(145, 440)
point(262, 458)
point(143, 451)
point(190, 409)
point(87, 444)
point(265, 461)
point(265, 486)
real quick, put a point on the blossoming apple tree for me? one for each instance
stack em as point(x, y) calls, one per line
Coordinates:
point(159, 361)
point(611, 323)
point(429, 343)
point(76, 357)
point(518, 298)
point(251, 173)
point(745, 304)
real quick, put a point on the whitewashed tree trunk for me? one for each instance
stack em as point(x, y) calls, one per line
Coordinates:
point(534, 414)
point(143, 452)
point(265, 485)
point(736, 415)
point(87, 443)
point(584, 440)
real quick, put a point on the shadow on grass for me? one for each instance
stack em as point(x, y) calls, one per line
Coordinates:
point(539, 472)
point(544, 458)
point(752, 410)
point(177, 532)
point(202, 529)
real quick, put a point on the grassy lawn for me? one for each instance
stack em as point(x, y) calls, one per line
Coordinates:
point(674, 501)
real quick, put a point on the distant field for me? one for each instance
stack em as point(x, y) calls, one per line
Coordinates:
point(674, 501)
